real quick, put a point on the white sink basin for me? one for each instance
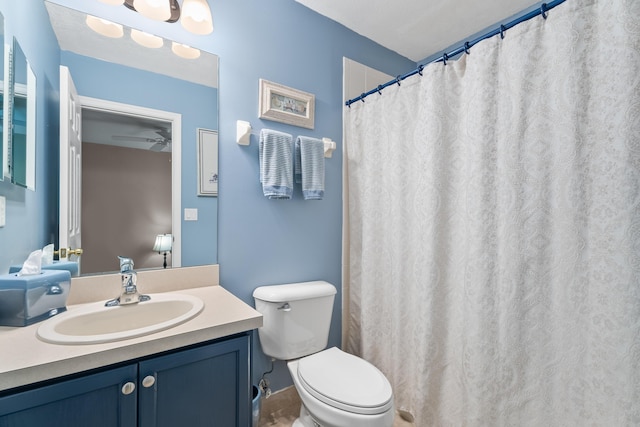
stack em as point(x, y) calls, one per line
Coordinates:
point(95, 323)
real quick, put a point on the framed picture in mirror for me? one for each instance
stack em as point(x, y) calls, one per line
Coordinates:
point(207, 162)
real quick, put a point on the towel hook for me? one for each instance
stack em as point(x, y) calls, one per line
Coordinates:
point(467, 47)
point(398, 79)
point(445, 57)
point(543, 10)
point(503, 29)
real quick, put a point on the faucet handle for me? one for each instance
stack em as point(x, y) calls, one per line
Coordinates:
point(126, 264)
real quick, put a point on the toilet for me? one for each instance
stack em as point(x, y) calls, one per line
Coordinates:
point(337, 389)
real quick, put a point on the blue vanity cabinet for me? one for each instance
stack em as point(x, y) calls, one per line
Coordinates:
point(205, 385)
point(95, 400)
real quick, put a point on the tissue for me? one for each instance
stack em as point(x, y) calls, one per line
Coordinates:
point(33, 264)
point(47, 255)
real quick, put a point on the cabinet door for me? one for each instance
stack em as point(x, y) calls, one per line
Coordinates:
point(95, 400)
point(204, 386)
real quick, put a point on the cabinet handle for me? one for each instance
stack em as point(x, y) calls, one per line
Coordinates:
point(128, 388)
point(148, 381)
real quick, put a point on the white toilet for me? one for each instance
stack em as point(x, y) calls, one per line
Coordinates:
point(337, 389)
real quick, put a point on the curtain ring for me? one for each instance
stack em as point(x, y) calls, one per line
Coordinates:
point(420, 68)
point(543, 10)
point(444, 58)
point(379, 89)
point(467, 46)
point(398, 79)
point(503, 29)
point(362, 96)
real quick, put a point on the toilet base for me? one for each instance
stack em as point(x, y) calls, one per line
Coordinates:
point(304, 420)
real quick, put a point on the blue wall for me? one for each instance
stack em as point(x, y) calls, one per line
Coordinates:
point(263, 241)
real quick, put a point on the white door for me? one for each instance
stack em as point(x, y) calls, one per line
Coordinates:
point(70, 167)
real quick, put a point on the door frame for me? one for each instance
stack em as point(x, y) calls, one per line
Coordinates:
point(176, 158)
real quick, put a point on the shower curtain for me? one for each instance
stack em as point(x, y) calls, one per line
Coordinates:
point(492, 227)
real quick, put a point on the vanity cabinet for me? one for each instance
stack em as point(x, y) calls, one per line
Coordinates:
point(206, 385)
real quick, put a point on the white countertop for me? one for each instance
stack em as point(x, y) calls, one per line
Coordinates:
point(25, 359)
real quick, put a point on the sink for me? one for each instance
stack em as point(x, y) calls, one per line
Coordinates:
point(94, 323)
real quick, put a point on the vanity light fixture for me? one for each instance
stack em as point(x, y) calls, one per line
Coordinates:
point(146, 39)
point(195, 15)
point(105, 27)
point(184, 51)
point(163, 245)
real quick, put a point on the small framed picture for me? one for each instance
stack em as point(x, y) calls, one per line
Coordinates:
point(286, 105)
point(207, 162)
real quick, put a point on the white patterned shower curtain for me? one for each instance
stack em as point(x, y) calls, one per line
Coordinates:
point(492, 227)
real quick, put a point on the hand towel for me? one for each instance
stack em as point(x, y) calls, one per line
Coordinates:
point(309, 167)
point(276, 169)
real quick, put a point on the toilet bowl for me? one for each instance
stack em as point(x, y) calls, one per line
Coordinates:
point(337, 389)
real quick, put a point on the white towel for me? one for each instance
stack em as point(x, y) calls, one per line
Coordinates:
point(309, 167)
point(276, 171)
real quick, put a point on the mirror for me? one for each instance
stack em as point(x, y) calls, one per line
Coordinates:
point(3, 155)
point(22, 141)
point(115, 74)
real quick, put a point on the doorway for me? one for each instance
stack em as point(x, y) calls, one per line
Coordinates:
point(130, 184)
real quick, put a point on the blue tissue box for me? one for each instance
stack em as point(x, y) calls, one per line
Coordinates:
point(25, 300)
point(71, 266)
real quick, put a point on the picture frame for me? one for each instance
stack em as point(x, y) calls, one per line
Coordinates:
point(286, 105)
point(207, 162)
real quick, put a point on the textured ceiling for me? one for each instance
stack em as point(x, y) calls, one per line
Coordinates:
point(418, 29)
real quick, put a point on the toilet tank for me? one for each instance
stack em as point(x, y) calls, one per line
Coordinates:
point(296, 318)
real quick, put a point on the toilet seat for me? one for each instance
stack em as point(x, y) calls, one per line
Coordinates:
point(346, 382)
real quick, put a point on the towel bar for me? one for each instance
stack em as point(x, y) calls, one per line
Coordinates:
point(244, 132)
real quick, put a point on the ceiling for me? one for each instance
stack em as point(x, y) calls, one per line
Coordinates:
point(418, 29)
point(110, 128)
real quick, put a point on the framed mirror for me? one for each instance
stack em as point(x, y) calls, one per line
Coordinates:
point(130, 97)
point(4, 71)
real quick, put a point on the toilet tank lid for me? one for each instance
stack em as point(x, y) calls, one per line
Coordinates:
point(294, 291)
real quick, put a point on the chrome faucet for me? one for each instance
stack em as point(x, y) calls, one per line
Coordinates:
point(129, 291)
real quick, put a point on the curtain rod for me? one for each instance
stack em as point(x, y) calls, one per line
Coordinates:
point(542, 10)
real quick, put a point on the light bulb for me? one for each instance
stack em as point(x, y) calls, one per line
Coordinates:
point(159, 10)
point(184, 51)
point(196, 17)
point(146, 39)
point(104, 27)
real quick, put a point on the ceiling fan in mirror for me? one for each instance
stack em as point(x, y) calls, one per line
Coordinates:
point(160, 143)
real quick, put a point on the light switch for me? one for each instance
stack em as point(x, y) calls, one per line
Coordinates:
point(3, 211)
point(190, 214)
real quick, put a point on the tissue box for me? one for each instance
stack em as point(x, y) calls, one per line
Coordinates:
point(71, 266)
point(25, 300)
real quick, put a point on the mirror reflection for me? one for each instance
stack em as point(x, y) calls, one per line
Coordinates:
point(139, 107)
point(3, 156)
point(22, 141)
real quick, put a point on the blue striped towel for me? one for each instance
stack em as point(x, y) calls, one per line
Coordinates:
point(309, 167)
point(276, 171)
